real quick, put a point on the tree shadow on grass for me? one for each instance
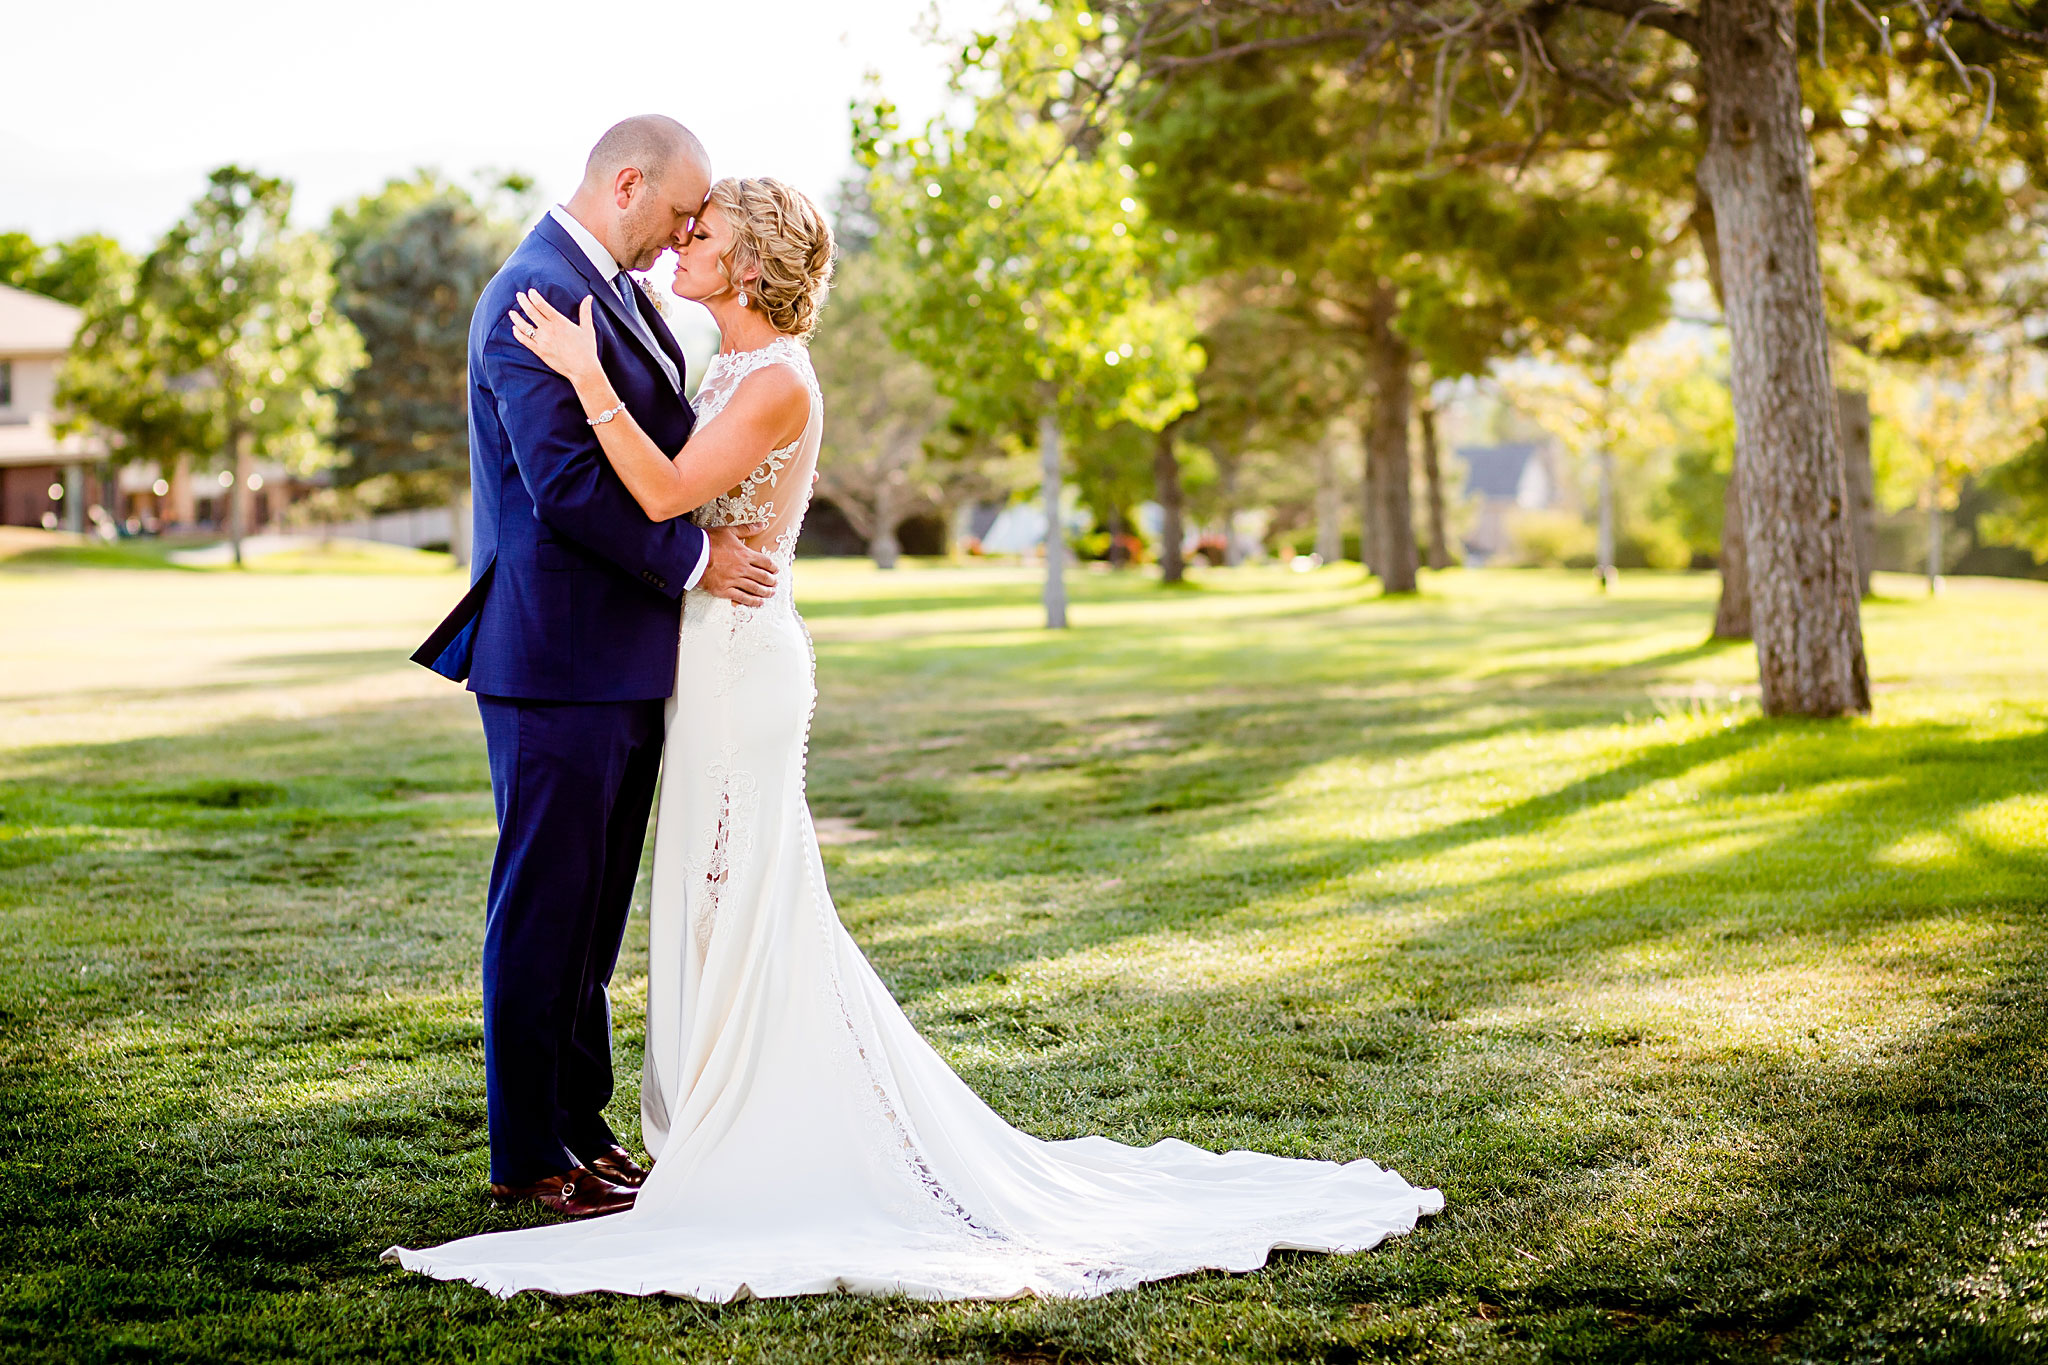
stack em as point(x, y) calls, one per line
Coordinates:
point(155, 1209)
point(1804, 1203)
point(1185, 802)
point(1750, 1200)
point(1687, 1199)
point(1424, 642)
point(1293, 707)
point(1814, 868)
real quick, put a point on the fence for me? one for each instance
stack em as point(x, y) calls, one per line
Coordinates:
point(437, 527)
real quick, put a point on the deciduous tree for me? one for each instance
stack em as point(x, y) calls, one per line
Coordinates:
point(1402, 251)
point(76, 271)
point(116, 379)
point(876, 465)
point(230, 337)
point(411, 261)
point(1754, 171)
point(1042, 292)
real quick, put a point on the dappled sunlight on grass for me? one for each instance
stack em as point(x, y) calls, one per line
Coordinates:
point(1717, 1031)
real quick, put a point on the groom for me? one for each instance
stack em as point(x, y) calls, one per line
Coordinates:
point(568, 637)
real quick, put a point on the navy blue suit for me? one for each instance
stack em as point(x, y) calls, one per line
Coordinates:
point(568, 635)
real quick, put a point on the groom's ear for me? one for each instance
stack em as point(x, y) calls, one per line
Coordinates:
point(627, 183)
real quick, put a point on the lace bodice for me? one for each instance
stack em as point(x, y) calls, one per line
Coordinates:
point(778, 491)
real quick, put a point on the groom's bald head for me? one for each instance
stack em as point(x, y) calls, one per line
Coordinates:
point(652, 144)
point(645, 183)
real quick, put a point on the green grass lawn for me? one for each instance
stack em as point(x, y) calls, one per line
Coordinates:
point(33, 550)
point(1723, 1037)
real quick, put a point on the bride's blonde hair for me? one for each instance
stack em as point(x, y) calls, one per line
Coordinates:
point(780, 232)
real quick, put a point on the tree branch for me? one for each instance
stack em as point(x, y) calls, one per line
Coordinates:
point(1256, 45)
point(1672, 20)
point(1955, 9)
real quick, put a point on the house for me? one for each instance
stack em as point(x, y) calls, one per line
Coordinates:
point(1501, 480)
point(55, 481)
point(43, 476)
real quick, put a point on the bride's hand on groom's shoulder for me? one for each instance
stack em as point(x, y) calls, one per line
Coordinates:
point(568, 348)
point(737, 572)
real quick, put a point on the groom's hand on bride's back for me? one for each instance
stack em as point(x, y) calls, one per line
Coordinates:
point(737, 572)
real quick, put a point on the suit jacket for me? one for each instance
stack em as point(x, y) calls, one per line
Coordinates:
point(573, 591)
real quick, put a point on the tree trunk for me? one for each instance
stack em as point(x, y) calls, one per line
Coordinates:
point(1604, 547)
point(1329, 502)
point(1801, 560)
point(1731, 617)
point(1934, 534)
point(882, 545)
point(1226, 493)
point(1055, 533)
point(74, 497)
point(1167, 492)
point(1731, 614)
point(178, 508)
point(238, 495)
point(1368, 516)
point(1388, 362)
point(1852, 413)
point(1433, 479)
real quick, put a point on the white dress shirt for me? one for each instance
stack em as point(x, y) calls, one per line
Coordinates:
point(601, 257)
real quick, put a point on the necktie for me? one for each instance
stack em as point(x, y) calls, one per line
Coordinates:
point(623, 283)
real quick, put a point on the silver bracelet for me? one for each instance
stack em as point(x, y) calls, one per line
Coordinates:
point(605, 416)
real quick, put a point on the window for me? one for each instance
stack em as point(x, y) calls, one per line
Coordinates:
point(6, 383)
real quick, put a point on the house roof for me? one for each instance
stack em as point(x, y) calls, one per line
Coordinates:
point(33, 325)
point(1496, 471)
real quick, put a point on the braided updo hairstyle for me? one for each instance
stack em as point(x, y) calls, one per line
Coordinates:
point(779, 231)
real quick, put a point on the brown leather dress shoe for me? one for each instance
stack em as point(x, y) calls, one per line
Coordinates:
point(616, 1164)
point(573, 1194)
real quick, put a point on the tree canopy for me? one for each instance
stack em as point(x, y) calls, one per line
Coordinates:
point(1043, 293)
point(412, 260)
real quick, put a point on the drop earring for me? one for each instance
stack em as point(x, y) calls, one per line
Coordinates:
point(743, 298)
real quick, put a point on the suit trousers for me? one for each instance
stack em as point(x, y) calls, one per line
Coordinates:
point(573, 783)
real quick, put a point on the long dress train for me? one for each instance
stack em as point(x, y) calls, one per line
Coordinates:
point(807, 1139)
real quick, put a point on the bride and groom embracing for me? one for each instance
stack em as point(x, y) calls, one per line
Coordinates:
point(631, 617)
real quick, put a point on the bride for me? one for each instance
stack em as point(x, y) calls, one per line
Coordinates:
point(806, 1138)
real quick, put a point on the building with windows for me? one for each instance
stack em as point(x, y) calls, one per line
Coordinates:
point(1501, 480)
point(43, 476)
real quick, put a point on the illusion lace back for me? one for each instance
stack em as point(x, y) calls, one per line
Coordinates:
point(778, 492)
point(807, 1139)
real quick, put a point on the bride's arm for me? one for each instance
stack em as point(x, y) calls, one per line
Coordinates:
point(769, 411)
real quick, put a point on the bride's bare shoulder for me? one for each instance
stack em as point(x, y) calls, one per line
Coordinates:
point(773, 393)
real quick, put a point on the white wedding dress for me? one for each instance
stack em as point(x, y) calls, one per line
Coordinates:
point(806, 1139)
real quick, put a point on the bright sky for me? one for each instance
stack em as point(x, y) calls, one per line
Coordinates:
point(112, 113)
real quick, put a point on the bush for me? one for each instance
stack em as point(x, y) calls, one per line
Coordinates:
point(1653, 545)
point(1543, 538)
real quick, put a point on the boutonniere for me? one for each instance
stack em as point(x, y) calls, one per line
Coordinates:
point(655, 297)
